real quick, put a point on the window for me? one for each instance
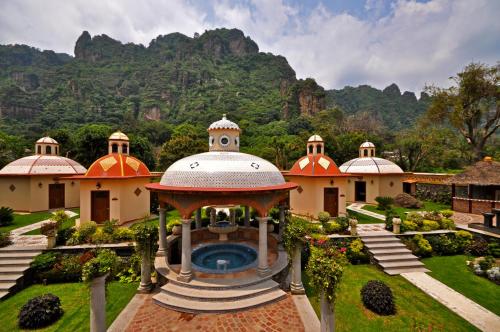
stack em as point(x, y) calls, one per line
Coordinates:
point(57, 150)
point(125, 148)
point(310, 149)
point(365, 152)
point(373, 153)
point(318, 148)
point(237, 141)
point(114, 148)
point(39, 149)
point(211, 141)
point(48, 149)
point(224, 140)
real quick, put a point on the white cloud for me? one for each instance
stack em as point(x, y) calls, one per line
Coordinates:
point(408, 43)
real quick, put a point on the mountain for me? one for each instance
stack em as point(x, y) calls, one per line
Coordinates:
point(175, 79)
point(395, 109)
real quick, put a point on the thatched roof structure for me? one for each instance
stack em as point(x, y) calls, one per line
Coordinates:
point(483, 173)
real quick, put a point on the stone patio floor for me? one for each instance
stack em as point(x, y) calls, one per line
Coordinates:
point(279, 316)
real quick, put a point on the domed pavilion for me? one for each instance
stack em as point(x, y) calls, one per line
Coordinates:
point(113, 188)
point(219, 178)
point(372, 176)
point(322, 187)
point(41, 182)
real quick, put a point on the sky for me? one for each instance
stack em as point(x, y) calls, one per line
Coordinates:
point(337, 42)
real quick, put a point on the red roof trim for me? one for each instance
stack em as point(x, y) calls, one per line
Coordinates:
point(66, 175)
point(159, 187)
point(84, 177)
point(318, 175)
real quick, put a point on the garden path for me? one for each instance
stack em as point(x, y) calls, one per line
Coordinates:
point(475, 314)
point(358, 207)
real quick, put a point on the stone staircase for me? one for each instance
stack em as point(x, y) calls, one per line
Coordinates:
point(391, 254)
point(14, 262)
point(218, 297)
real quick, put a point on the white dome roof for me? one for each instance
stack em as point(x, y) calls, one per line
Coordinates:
point(118, 135)
point(48, 140)
point(370, 165)
point(222, 169)
point(224, 124)
point(315, 138)
point(43, 165)
point(367, 145)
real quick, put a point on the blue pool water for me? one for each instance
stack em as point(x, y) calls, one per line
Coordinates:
point(238, 257)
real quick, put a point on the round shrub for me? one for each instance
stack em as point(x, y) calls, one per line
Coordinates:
point(433, 215)
point(478, 247)
point(40, 311)
point(378, 297)
point(447, 223)
point(343, 222)
point(423, 247)
point(323, 217)
point(463, 239)
point(429, 225)
point(6, 216)
point(408, 226)
point(416, 218)
point(446, 213)
point(331, 227)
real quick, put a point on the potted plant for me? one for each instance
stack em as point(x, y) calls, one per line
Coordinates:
point(174, 226)
point(49, 229)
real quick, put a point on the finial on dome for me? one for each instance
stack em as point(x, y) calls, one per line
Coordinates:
point(224, 116)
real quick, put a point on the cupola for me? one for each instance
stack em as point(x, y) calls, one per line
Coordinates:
point(118, 142)
point(367, 149)
point(224, 135)
point(315, 145)
point(47, 146)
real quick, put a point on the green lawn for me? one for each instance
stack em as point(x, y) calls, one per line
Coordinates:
point(21, 220)
point(416, 311)
point(75, 302)
point(452, 271)
point(174, 214)
point(364, 219)
point(67, 224)
point(428, 206)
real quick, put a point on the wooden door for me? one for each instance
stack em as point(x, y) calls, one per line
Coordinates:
point(99, 206)
point(360, 191)
point(56, 195)
point(331, 201)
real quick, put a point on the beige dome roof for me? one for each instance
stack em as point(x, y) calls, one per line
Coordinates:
point(367, 145)
point(118, 135)
point(224, 123)
point(218, 169)
point(47, 140)
point(43, 165)
point(370, 165)
point(315, 138)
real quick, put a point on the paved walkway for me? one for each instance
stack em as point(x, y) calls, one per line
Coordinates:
point(143, 315)
point(358, 207)
point(478, 316)
point(466, 218)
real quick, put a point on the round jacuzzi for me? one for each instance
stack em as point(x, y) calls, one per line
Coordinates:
point(223, 258)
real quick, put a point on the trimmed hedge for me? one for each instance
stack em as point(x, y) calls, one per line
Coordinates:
point(40, 311)
point(377, 297)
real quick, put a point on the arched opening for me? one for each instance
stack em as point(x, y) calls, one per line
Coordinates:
point(310, 149)
point(48, 149)
point(114, 148)
point(39, 149)
point(57, 150)
point(372, 153)
point(318, 148)
point(124, 148)
point(365, 152)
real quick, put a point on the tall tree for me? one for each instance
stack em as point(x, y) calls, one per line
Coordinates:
point(472, 106)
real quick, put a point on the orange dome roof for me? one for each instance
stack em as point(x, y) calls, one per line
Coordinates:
point(318, 165)
point(117, 165)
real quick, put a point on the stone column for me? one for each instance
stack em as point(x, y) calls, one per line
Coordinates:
point(232, 217)
point(396, 225)
point(247, 216)
point(263, 269)
point(327, 315)
point(197, 218)
point(281, 225)
point(213, 217)
point(163, 232)
point(186, 274)
point(146, 285)
point(296, 286)
point(98, 304)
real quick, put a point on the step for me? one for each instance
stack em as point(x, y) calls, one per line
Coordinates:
point(384, 258)
point(18, 249)
point(219, 295)
point(19, 255)
point(6, 286)
point(395, 271)
point(15, 262)
point(411, 263)
point(377, 239)
point(12, 269)
point(3, 294)
point(10, 277)
point(195, 306)
point(385, 245)
point(398, 251)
